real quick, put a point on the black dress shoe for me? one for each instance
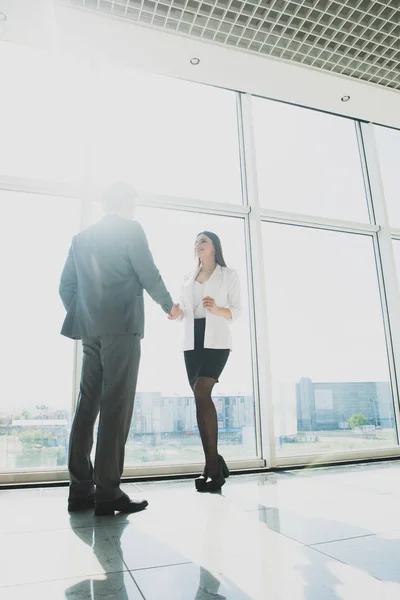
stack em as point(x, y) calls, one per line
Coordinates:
point(123, 504)
point(75, 504)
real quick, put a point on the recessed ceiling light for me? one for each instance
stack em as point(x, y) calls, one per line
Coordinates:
point(194, 61)
point(345, 98)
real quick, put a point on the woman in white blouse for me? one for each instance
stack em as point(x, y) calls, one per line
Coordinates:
point(210, 302)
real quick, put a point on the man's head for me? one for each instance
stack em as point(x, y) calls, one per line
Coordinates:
point(119, 198)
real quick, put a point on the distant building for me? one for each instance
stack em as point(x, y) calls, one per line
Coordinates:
point(324, 406)
point(177, 414)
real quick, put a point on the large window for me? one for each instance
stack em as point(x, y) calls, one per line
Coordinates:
point(165, 136)
point(388, 143)
point(331, 387)
point(308, 162)
point(36, 361)
point(177, 143)
point(396, 246)
point(43, 99)
point(164, 427)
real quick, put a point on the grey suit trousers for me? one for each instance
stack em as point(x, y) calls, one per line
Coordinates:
point(108, 383)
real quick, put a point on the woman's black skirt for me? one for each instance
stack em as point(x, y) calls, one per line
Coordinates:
point(204, 362)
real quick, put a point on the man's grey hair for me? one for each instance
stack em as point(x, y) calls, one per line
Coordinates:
point(116, 195)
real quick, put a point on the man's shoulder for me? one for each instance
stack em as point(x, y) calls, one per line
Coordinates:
point(108, 224)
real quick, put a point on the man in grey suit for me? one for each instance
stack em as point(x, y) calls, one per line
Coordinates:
point(108, 266)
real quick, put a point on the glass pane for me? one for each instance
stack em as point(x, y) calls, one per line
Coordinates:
point(308, 162)
point(164, 428)
point(41, 97)
point(37, 362)
point(396, 247)
point(331, 388)
point(388, 144)
point(166, 136)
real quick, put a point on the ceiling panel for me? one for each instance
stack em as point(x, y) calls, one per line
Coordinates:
point(356, 38)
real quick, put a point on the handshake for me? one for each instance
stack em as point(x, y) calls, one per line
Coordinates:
point(176, 312)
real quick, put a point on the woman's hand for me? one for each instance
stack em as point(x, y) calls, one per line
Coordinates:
point(209, 304)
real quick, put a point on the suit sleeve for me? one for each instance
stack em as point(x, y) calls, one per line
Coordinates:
point(143, 264)
point(68, 282)
point(234, 303)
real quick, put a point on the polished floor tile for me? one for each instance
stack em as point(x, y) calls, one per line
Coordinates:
point(141, 549)
point(47, 555)
point(378, 555)
point(303, 574)
point(44, 509)
point(306, 529)
point(320, 534)
point(186, 581)
point(113, 586)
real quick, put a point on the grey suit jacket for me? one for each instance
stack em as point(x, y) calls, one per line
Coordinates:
point(108, 266)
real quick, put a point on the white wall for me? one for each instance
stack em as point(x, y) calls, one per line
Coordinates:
point(101, 37)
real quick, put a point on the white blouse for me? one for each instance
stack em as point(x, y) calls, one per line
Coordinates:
point(199, 312)
point(223, 286)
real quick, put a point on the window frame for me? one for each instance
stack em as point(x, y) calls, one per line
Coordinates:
point(253, 215)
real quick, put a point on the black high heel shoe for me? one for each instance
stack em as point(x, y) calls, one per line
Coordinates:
point(216, 481)
point(200, 482)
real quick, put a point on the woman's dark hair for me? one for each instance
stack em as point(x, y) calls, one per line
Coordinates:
point(219, 257)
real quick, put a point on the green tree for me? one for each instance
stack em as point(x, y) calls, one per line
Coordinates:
point(35, 438)
point(358, 420)
point(24, 415)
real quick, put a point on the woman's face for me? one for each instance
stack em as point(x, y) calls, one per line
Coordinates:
point(204, 247)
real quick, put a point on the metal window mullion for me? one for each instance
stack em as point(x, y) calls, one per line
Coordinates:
point(364, 170)
point(314, 460)
point(257, 274)
point(146, 199)
point(40, 186)
point(250, 286)
point(386, 265)
point(287, 218)
point(87, 202)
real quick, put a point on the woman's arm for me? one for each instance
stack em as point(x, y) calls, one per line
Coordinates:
point(209, 304)
point(233, 310)
point(224, 312)
point(234, 303)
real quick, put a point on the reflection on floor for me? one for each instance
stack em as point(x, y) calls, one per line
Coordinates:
point(320, 534)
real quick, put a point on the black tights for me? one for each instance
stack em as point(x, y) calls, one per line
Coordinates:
point(207, 421)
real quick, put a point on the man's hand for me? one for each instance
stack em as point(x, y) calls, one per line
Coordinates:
point(175, 313)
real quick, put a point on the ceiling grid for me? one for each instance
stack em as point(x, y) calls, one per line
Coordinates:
point(356, 38)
